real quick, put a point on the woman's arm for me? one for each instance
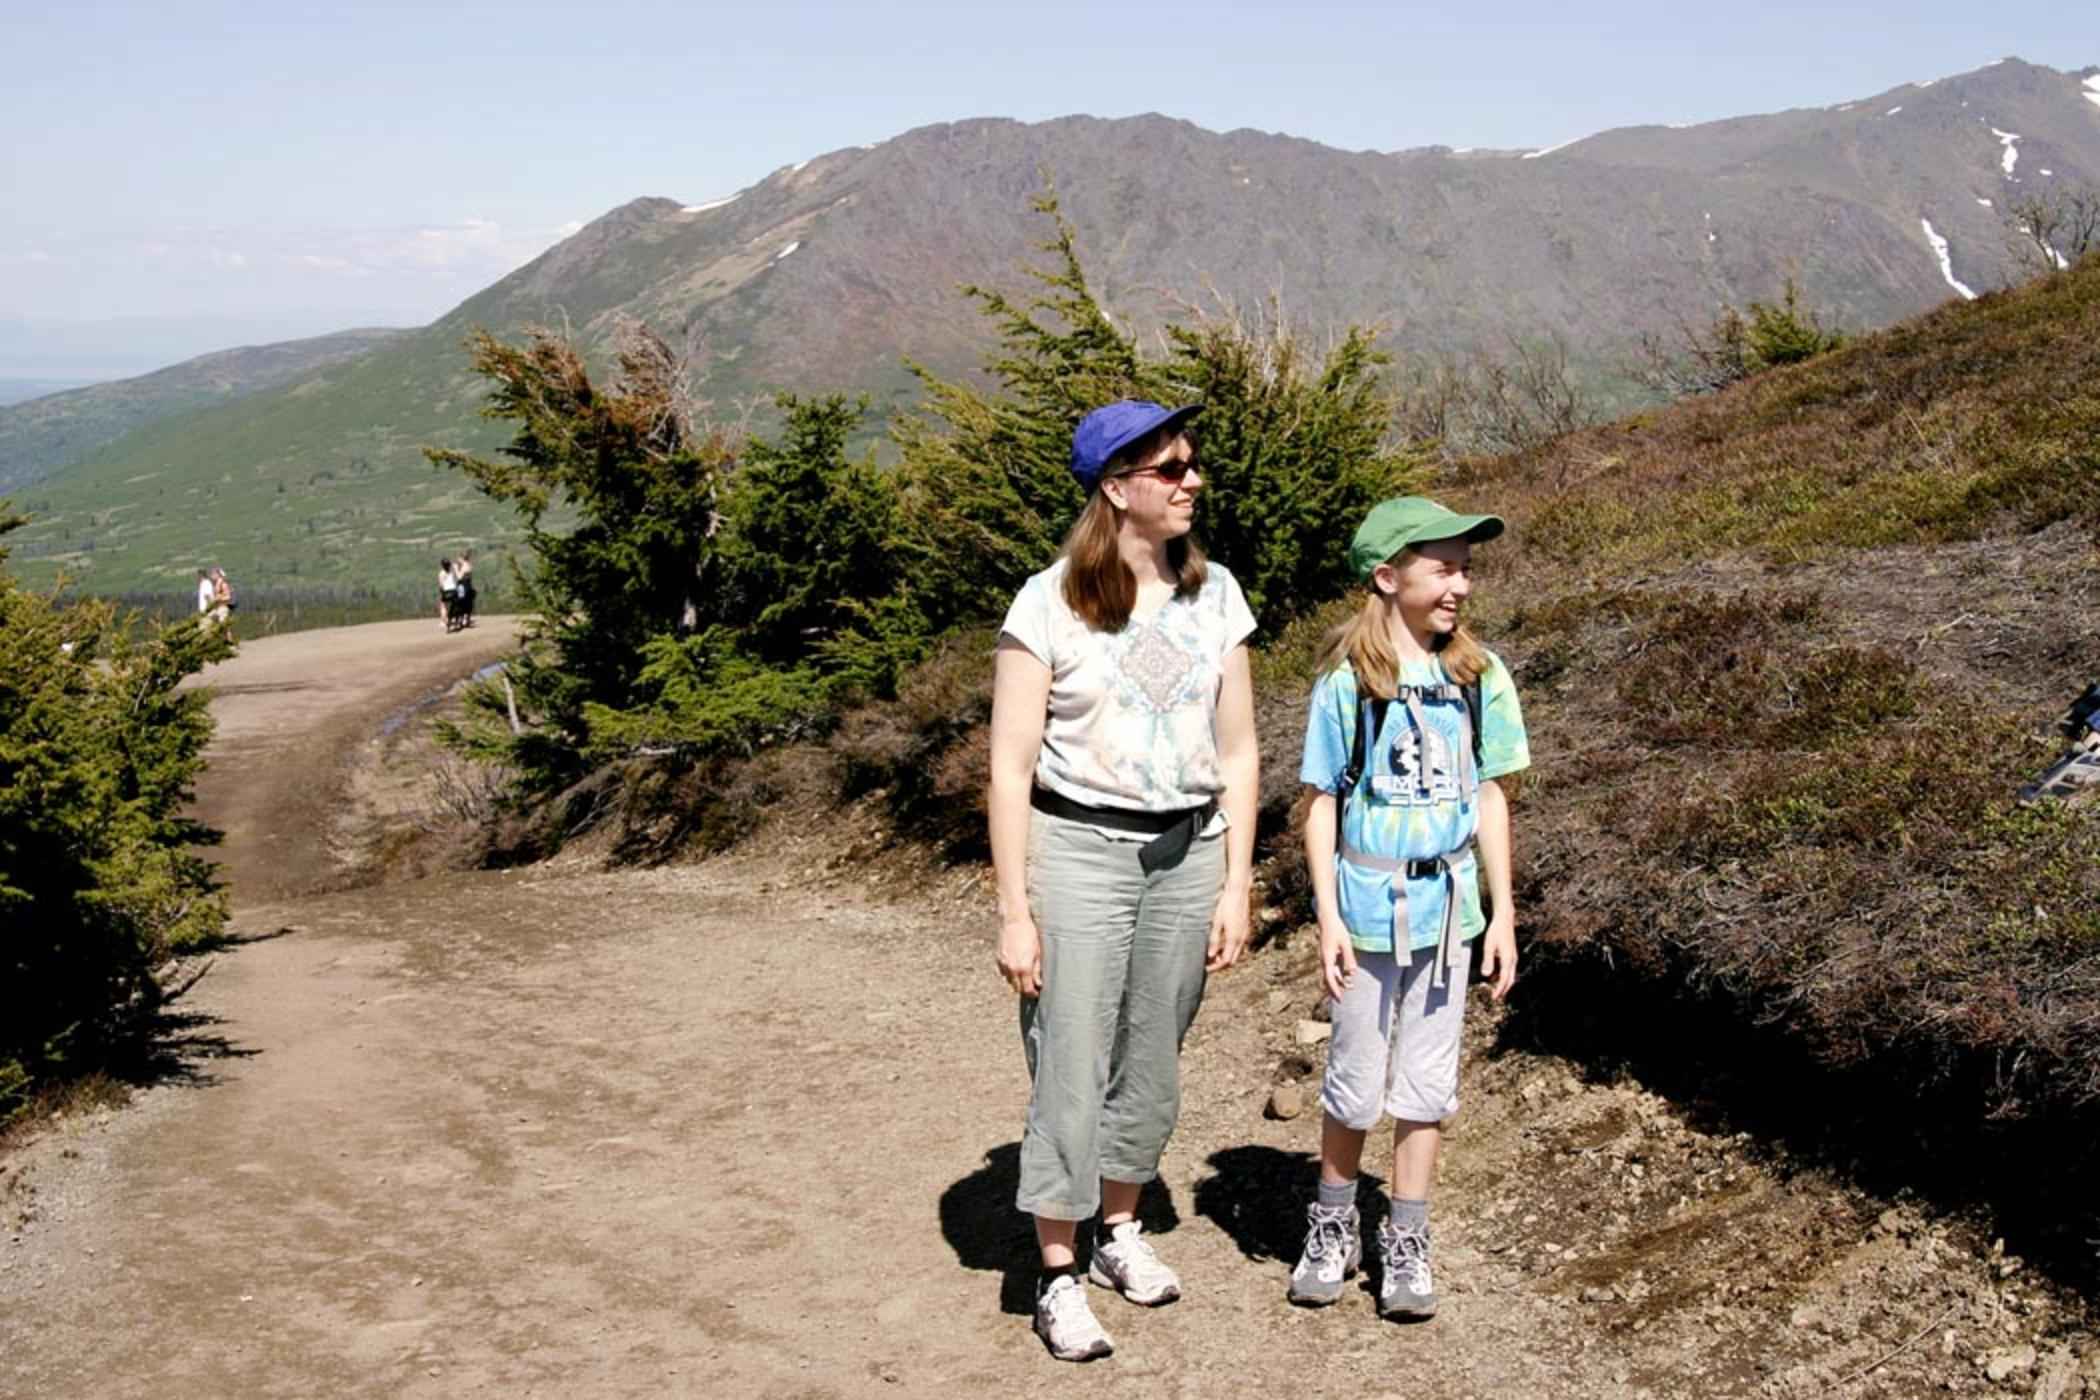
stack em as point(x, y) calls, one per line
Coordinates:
point(1337, 953)
point(1020, 702)
point(1239, 764)
point(1499, 954)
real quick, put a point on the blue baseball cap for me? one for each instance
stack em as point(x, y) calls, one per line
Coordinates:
point(1112, 427)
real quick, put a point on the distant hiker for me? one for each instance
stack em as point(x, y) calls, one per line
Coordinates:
point(447, 581)
point(463, 589)
point(204, 593)
point(1122, 801)
point(222, 601)
point(1411, 724)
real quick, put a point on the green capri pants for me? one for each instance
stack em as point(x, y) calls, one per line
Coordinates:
point(1123, 975)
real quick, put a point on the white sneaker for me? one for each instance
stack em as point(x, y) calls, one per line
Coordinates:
point(1406, 1290)
point(1334, 1247)
point(1066, 1323)
point(1126, 1263)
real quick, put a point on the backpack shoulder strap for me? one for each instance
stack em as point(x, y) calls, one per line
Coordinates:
point(1472, 689)
point(1359, 746)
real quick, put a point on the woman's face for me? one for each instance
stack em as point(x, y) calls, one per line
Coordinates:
point(1429, 583)
point(1158, 495)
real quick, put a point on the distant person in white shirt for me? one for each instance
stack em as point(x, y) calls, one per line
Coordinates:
point(446, 583)
point(204, 592)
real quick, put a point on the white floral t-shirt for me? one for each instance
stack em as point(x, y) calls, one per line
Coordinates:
point(1133, 714)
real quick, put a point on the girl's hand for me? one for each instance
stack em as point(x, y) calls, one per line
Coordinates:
point(1021, 955)
point(1228, 930)
point(1337, 959)
point(1498, 961)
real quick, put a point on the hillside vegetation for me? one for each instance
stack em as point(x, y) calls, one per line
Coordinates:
point(1787, 652)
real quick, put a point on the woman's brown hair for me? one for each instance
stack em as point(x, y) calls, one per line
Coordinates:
point(1098, 585)
point(1366, 644)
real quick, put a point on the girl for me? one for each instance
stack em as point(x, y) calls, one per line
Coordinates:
point(1412, 724)
point(1121, 800)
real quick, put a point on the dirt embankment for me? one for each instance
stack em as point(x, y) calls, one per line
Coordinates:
point(748, 1127)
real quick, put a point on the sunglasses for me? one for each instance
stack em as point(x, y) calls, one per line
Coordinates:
point(1171, 472)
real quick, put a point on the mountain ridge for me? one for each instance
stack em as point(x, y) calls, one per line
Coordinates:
point(827, 273)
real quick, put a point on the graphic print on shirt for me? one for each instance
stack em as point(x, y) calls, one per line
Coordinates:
point(1425, 769)
point(1159, 669)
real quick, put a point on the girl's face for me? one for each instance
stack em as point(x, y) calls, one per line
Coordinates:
point(1429, 584)
point(1158, 495)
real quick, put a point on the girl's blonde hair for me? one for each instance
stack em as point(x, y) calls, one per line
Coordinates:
point(1366, 643)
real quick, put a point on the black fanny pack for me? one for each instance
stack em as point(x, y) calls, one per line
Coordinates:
point(1171, 832)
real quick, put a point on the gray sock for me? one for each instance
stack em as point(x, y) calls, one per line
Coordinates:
point(1337, 1197)
point(1410, 1216)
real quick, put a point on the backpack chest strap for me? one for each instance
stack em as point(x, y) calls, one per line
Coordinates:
point(1449, 946)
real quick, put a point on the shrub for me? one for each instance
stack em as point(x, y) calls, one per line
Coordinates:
point(1291, 446)
point(1735, 345)
point(99, 877)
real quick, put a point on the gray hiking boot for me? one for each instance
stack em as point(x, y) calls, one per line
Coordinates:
point(1406, 1290)
point(1334, 1246)
point(1066, 1323)
point(1126, 1263)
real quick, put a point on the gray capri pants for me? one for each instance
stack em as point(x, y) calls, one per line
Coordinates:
point(1396, 1041)
point(1122, 977)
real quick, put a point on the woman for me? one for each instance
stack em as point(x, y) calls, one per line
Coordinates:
point(1413, 727)
point(1121, 802)
point(446, 582)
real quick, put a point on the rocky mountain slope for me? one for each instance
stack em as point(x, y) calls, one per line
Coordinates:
point(828, 273)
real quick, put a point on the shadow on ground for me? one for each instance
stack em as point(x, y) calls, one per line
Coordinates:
point(981, 1225)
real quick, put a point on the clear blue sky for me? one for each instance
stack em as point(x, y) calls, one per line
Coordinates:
point(302, 167)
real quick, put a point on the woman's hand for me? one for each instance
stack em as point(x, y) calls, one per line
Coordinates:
point(1337, 959)
point(1021, 955)
point(1498, 959)
point(1228, 929)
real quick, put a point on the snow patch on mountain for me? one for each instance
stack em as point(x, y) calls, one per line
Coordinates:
point(2092, 89)
point(1946, 257)
point(2011, 157)
point(1549, 150)
point(789, 249)
point(712, 204)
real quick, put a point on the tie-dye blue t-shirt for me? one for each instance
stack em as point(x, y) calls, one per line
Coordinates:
point(1410, 803)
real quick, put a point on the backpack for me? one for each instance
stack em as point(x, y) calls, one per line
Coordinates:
point(1359, 745)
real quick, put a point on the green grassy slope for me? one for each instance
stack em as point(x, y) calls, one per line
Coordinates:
point(321, 483)
point(39, 437)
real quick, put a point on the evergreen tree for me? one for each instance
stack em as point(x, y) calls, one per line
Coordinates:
point(641, 477)
point(99, 875)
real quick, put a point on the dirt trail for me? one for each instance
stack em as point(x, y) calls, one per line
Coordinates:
point(743, 1129)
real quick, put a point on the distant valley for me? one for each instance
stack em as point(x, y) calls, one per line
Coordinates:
point(827, 274)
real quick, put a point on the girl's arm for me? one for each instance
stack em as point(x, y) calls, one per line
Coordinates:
point(1239, 763)
point(1499, 954)
point(1337, 954)
point(1020, 701)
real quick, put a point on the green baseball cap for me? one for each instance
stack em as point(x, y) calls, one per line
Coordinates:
point(1394, 525)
